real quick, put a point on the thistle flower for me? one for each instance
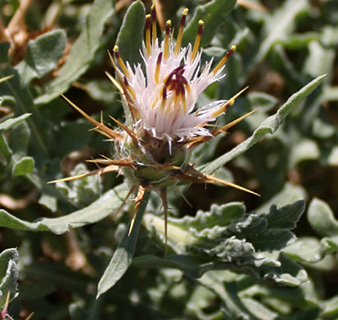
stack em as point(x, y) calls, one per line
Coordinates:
point(163, 124)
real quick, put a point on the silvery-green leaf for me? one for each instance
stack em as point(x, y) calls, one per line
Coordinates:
point(269, 126)
point(42, 55)
point(23, 166)
point(130, 36)
point(107, 204)
point(10, 123)
point(331, 308)
point(8, 274)
point(123, 254)
point(212, 13)
point(321, 218)
point(82, 52)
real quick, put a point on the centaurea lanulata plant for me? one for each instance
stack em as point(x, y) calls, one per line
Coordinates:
point(163, 125)
point(218, 259)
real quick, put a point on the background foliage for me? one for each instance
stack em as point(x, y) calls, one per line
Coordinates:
point(230, 255)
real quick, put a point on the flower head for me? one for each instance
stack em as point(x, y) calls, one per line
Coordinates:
point(163, 99)
point(164, 124)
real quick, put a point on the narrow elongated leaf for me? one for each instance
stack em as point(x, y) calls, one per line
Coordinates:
point(124, 253)
point(10, 123)
point(130, 36)
point(109, 203)
point(213, 14)
point(276, 28)
point(82, 52)
point(269, 126)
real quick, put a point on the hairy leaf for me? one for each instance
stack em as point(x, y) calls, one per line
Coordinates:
point(8, 274)
point(277, 27)
point(82, 52)
point(238, 242)
point(212, 13)
point(42, 55)
point(10, 123)
point(130, 36)
point(321, 218)
point(23, 166)
point(269, 126)
point(124, 253)
point(107, 204)
point(24, 104)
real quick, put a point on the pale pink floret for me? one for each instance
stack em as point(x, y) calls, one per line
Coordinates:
point(166, 88)
point(173, 120)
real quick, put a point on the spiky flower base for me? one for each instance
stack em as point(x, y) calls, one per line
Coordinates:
point(153, 152)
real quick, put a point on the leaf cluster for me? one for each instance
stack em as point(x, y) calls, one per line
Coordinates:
point(65, 249)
